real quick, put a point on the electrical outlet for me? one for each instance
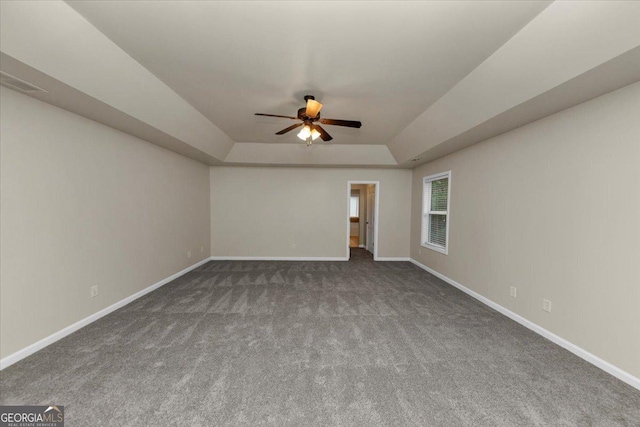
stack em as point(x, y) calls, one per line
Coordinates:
point(201, 249)
point(94, 291)
point(512, 291)
point(546, 305)
point(188, 254)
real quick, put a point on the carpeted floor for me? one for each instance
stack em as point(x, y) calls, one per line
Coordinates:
point(315, 343)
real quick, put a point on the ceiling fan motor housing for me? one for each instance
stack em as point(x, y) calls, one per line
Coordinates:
point(302, 115)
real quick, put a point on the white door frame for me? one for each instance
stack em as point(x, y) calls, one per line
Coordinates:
point(377, 216)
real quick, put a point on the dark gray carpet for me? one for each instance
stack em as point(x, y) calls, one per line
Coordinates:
point(315, 343)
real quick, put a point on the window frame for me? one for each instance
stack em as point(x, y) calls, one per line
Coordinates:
point(426, 202)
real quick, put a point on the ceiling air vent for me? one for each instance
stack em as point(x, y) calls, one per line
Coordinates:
point(15, 83)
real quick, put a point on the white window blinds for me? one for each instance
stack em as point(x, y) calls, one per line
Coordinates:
point(435, 211)
point(354, 206)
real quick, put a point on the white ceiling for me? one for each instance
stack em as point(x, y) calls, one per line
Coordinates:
point(383, 63)
point(425, 78)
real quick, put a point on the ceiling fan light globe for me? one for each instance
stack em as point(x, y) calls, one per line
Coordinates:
point(313, 108)
point(305, 133)
point(315, 134)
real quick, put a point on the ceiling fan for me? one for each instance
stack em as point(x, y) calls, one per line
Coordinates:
point(309, 116)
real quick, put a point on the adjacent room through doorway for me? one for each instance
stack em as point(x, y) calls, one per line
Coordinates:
point(356, 236)
point(362, 217)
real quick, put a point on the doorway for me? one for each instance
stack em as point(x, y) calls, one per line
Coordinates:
point(362, 217)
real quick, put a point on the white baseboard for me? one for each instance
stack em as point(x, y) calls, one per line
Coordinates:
point(361, 246)
point(280, 258)
point(39, 345)
point(276, 258)
point(578, 351)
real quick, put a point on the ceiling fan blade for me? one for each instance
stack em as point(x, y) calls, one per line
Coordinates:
point(347, 123)
point(290, 128)
point(313, 108)
point(276, 115)
point(323, 133)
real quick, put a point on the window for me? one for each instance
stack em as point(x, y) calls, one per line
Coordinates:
point(435, 211)
point(354, 206)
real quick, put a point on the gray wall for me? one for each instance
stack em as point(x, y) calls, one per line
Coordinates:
point(552, 208)
point(81, 205)
point(296, 212)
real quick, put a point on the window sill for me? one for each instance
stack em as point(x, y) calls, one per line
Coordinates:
point(440, 249)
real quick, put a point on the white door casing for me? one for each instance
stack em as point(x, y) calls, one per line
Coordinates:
point(371, 217)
